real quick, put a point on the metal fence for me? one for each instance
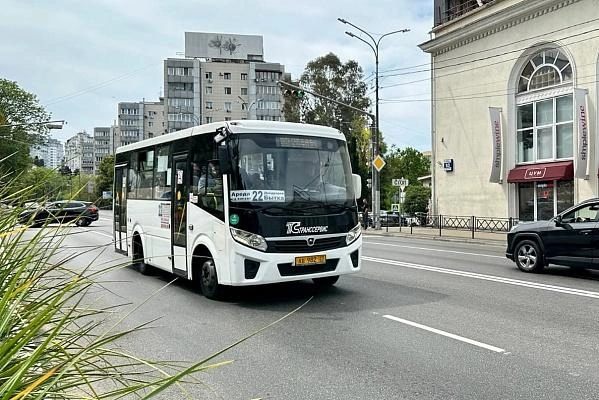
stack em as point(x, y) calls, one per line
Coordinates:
point(471, 223)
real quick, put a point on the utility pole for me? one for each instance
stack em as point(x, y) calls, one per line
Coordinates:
point(374, 45)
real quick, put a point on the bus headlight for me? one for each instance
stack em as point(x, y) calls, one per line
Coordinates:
point(353, 234)
point(249, 239)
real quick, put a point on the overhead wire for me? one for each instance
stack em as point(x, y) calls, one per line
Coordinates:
point(96, 86)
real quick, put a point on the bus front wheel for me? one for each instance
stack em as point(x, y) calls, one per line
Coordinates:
point(209, 280)
point(138, 256)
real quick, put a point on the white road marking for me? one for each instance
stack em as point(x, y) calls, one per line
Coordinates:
point(100, 233)
point(447, 334)
point(493, 278)
point(439, 250)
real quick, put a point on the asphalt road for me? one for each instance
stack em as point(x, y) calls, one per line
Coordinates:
point(424, 319)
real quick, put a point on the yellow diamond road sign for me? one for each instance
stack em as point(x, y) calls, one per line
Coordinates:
point(378, 163)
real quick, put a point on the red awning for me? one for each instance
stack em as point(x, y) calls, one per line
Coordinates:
point(555, 171)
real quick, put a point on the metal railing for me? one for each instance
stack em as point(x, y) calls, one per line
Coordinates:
point(439, 223)
point(456, 8)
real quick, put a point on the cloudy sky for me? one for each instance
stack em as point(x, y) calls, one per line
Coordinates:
point(83, 57)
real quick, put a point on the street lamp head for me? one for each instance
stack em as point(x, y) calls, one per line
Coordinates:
point(342, 20)
point(349, 34)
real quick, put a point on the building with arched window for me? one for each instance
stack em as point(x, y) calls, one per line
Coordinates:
point(514, 106)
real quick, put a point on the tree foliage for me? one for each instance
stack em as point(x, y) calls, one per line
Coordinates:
point(105, 176)
point(23, 114)
point(42, 184)
point(416, 199)
point(409, 164)
point(328, 76)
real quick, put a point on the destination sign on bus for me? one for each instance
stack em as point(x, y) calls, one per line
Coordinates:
point(298, 143)
point(260, 196)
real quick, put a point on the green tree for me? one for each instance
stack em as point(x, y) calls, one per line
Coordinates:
point(105, 176)
point(21, 125)
point(408, 163)
point(329, 77)
point(416, 199)
point(42, 184)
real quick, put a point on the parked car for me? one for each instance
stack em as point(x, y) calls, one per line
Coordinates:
point(82, 212)
point(571, 238)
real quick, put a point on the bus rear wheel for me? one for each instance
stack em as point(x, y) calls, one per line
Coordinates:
point(209, 280)
point(326, 281)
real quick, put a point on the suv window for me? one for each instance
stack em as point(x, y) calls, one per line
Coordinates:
point(584, 214)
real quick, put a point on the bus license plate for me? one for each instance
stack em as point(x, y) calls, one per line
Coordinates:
point(311, 260)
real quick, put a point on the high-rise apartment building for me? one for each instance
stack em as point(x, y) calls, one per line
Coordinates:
point(103, 144)
point(138, 121)
point(79, 153)
point(130, 123)
point(223, 77)
point(154, 123)
point(52, 152)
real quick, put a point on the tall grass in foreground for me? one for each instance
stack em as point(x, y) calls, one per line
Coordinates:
point(53, 343)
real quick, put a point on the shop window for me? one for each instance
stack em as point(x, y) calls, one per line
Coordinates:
point(544, 199)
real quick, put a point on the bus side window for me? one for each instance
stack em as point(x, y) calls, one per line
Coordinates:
point(211, 193)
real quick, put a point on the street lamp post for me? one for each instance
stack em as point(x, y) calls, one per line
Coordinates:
point(249, 107)
point(195, 118)
point(376, 186)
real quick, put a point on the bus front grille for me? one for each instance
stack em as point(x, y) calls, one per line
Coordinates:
point(301, 245)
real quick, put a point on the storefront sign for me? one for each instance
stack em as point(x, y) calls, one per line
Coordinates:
point(495, 113)
point(582, 154)
point(535, 173)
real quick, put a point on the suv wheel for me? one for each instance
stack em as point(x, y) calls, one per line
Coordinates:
point(82, 222)
point(528, 256)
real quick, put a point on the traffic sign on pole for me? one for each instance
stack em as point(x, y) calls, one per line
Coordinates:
point(378, 163)
point(402, 183)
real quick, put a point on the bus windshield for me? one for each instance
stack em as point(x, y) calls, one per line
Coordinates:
point(288, 168)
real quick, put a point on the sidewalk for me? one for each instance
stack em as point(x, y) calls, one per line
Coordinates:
point(489, 237)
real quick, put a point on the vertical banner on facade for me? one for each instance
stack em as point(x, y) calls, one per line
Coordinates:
point(495, 113)
point(582, 153)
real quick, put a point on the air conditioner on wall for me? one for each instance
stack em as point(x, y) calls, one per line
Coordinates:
point(209, 80)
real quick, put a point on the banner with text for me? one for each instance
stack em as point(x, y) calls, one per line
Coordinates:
point(582, 123)
point(495, 113)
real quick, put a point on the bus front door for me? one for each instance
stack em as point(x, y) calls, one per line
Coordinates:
point(120, 209)
point(180, 194)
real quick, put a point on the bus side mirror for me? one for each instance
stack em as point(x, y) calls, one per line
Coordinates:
point(224, 161)
point(357, 185)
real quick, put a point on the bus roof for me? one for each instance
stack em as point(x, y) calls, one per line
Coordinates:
point(240, 127)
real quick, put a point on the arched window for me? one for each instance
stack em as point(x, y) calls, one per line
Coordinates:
point(545, 69)
point(545, 119)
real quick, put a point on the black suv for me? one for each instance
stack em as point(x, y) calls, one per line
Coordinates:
point(82, 212)
point(571, 238)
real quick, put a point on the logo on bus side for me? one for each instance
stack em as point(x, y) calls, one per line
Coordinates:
point(295, 227)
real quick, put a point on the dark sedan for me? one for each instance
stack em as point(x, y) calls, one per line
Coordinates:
point(571, 238)
point(81, 212)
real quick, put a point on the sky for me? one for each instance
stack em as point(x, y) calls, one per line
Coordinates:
point(81, 58)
